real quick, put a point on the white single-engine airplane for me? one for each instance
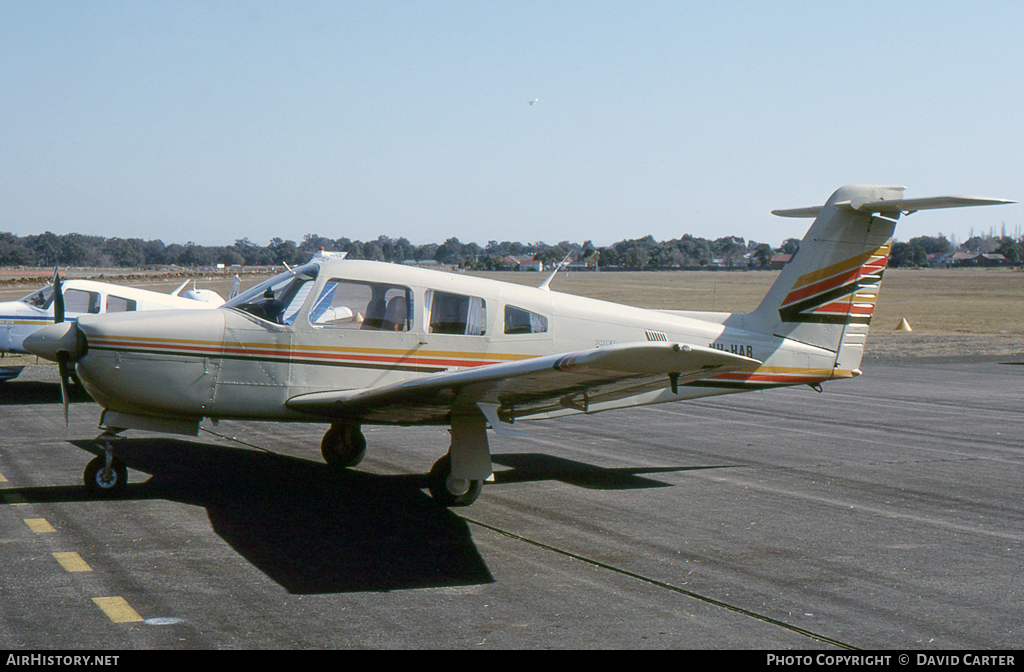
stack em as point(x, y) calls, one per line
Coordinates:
point(356, 342)
point(38, 309)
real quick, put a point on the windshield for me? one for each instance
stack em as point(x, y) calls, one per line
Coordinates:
point(278, 299)
point(41, 298)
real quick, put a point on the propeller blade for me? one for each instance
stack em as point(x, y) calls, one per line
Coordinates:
point(58, 299)
point(62, 370)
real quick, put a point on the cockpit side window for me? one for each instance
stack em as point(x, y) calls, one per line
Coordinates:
point(456, 314)
point(41, 298)
point(369, 306)
point(279, 299)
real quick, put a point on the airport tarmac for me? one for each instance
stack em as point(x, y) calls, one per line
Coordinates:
point(882, 513)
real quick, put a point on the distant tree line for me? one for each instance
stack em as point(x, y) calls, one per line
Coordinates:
point(687, 252)
point(77, 250)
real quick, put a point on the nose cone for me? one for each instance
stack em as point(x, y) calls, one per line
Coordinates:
point(49, 341)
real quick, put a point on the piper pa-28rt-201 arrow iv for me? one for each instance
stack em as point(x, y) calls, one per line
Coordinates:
point(351, 342)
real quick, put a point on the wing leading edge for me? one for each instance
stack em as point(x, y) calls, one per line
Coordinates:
point(568, 381)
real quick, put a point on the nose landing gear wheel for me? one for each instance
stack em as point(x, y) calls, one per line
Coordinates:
point(343, 446)
point(450, 491)
point(100, 480)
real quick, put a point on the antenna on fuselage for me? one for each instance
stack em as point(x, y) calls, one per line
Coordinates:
point(181, 287)
point(546, 284)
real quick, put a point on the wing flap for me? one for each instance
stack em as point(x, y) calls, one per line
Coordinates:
point(526, 387)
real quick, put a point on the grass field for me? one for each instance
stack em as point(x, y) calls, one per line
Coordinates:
point(958, 312)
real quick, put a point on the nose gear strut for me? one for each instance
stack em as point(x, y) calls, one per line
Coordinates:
point(106, 475)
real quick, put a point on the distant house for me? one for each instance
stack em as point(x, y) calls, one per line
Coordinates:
point(977, 259)
point(963, 259)
point(994, 259)
point(779, 260)
point(524, 263)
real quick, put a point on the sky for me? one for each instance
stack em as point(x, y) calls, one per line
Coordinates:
point(209, 122)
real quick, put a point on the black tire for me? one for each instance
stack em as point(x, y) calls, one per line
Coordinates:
point(111, 486)
point(343, 446)
point(446, 490)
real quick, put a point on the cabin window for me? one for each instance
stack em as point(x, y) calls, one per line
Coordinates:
point(344, 304)
point(116, 304)
point(80, 301)
point(521, 321)
point(456, 314)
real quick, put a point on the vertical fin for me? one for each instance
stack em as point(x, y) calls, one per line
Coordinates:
point(825, 296)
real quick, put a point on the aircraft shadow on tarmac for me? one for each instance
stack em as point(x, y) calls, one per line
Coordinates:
point(541, 467)
point(310, 528)
point(39, 392)
point(315, 529)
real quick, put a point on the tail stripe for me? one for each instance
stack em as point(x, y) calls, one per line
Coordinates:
point(834, 269)
point(838, 294)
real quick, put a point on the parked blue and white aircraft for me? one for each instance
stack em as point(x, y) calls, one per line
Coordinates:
point(30, 313)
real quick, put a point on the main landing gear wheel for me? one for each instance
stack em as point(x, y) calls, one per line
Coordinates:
point(100, 480)
point(450, 491)
point(343, 446)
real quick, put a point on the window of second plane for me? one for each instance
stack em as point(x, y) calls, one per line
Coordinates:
point(80, 301)
point(344, 304)
point(522, 321)
point(117, 304)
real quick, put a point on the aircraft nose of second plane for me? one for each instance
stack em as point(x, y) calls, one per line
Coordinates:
point(48, 341)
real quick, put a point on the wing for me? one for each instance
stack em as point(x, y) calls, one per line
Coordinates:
point(568, 381)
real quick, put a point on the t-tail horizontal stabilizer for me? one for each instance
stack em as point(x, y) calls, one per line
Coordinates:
point(896, 206)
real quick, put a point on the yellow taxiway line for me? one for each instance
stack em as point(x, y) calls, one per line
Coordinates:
point(39, 525)
point(117, 609)
point(72, 562)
